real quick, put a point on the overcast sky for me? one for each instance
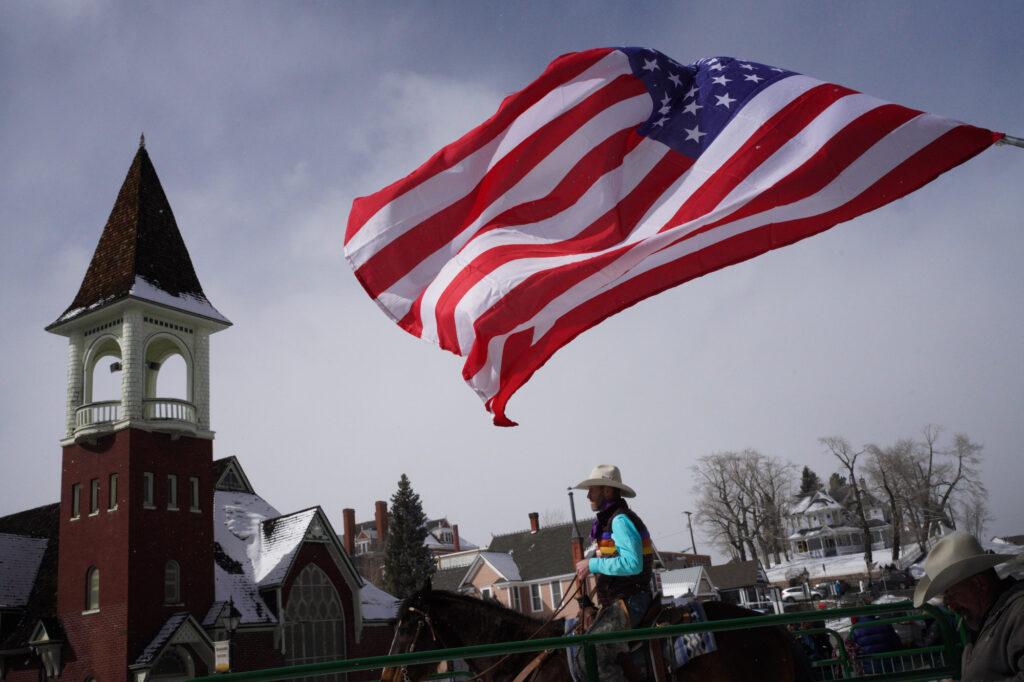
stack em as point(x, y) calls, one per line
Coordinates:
point(264, 120)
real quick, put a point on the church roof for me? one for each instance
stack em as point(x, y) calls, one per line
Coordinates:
point(42, 525)
point(141, 253)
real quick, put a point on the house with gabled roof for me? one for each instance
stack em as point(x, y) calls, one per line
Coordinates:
point(822, 526)
point(154, 549)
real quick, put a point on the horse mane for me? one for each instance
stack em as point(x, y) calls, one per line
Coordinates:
point(494, 608)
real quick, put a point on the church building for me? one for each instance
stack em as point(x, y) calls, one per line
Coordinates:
point(157, 556)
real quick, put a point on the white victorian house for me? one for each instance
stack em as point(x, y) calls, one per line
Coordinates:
point(821, 526)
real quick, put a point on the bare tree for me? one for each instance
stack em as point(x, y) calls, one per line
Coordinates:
point(883, 469)
point(974, 515)
point(743, 498)
point(847, 456)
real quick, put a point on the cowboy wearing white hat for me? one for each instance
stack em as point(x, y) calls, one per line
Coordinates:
point(623, 561)
point(960, 570)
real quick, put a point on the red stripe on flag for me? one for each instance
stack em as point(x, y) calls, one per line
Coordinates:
point(603, 158)
point(537, 290)
point(521, 359)
point(397, 258)
point(559, 72)
point(773, 134)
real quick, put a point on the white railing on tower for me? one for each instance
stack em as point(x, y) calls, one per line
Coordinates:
point(102, 412)
point(168, 408)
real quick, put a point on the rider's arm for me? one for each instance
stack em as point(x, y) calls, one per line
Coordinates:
point(630, 560)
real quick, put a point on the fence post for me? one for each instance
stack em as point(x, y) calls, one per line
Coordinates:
point(590, 661)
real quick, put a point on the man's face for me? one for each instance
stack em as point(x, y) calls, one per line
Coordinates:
point(969, 599)
point(598, 495)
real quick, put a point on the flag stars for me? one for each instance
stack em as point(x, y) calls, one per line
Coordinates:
point(692, 108)
point(665, 100)
point(724, 100)
point(661, 121)
point(692, 92)
point(748, 67)
point(694, 134)
point(721, 80)
point(676, 80)
point(752, 77)
point(715, 67)
point(651, 64)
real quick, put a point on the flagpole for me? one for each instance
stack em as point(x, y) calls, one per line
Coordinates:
point(1011, 140)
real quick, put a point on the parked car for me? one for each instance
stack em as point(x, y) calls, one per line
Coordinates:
point(897, 580)
point(792, 594)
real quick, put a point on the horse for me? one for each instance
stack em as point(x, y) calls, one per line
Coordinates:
point(435, 619)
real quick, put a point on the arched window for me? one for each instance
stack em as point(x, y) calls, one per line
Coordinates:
point(314, 621)
point(103, 373)
point(172, 582)
point(92, 589)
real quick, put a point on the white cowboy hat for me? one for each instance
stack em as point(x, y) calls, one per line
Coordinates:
point(606, 474)
point(955, 557)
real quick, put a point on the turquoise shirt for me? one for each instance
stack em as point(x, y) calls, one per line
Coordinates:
point(630, 559)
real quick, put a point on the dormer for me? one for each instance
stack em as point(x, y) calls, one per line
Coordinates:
point(139, 314)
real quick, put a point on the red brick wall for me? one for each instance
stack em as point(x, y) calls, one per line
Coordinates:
point(130, 546)
point(255, 650)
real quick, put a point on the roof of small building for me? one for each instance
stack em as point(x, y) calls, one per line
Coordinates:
point(20, 558)
point(41, 523)
point(448, 579)
point(819, 501)
point(376, 603)
point(141, 253)
point(734, 574)
point(540, 554)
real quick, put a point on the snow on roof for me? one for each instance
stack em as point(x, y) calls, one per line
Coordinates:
point(170, 627)
point(236, 530)
point(819, 501)
point(679, 582)
point(197, 305)
point(281, 538)
point(20, 557)
point(376, 603)
point(504, 564)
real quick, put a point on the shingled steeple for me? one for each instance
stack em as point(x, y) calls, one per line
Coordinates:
point(141, 253)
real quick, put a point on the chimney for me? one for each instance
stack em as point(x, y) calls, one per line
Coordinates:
point(381, 517)
point(348, 529)
point(534, 522)
point(577, 550)
point(456, 545)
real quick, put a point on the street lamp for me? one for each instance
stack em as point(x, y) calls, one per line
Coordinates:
point(231, 622)
point(689, 523)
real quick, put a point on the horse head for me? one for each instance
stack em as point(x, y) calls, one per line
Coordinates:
point(415, 631)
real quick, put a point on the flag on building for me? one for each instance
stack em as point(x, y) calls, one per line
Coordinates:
point(617, 174)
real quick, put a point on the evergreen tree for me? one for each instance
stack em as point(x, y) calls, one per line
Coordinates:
point(836, 482)
point(809, 482)
point(408, 564)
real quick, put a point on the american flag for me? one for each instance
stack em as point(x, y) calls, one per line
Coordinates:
point(617, 174)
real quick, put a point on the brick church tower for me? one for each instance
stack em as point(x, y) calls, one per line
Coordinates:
point(136, 511)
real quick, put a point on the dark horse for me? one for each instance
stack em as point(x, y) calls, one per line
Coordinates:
point(440, 620)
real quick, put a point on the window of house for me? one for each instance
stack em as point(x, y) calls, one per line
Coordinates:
point(485, 593)
point(556, 593)
point(193, 485)
point(517, 602)
point(172, 492)
point(172, 582)
point(112, 502)
point(92, 589)
point(94, 496)
point(314, 622)
point(76, 499)
point(536, 603)
point(147, 490)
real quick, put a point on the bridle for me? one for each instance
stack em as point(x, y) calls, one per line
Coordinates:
point(424, 618)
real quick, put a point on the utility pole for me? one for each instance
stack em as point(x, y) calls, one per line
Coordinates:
point(690, 524)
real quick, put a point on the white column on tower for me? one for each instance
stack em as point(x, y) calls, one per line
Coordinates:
point(133, 364)
point(76, 380)
point(201, 378)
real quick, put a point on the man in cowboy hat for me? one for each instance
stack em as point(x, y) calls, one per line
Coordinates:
point(960, 570)
point(622, 565)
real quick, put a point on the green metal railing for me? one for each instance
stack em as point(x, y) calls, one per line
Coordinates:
point(951, 647)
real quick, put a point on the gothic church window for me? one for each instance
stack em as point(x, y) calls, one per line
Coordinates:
point(314, 620)
point(92, 589)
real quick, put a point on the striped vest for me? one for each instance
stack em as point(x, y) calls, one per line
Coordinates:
point(612, 587)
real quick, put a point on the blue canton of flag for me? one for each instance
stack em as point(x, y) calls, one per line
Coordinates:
point(692, 104)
